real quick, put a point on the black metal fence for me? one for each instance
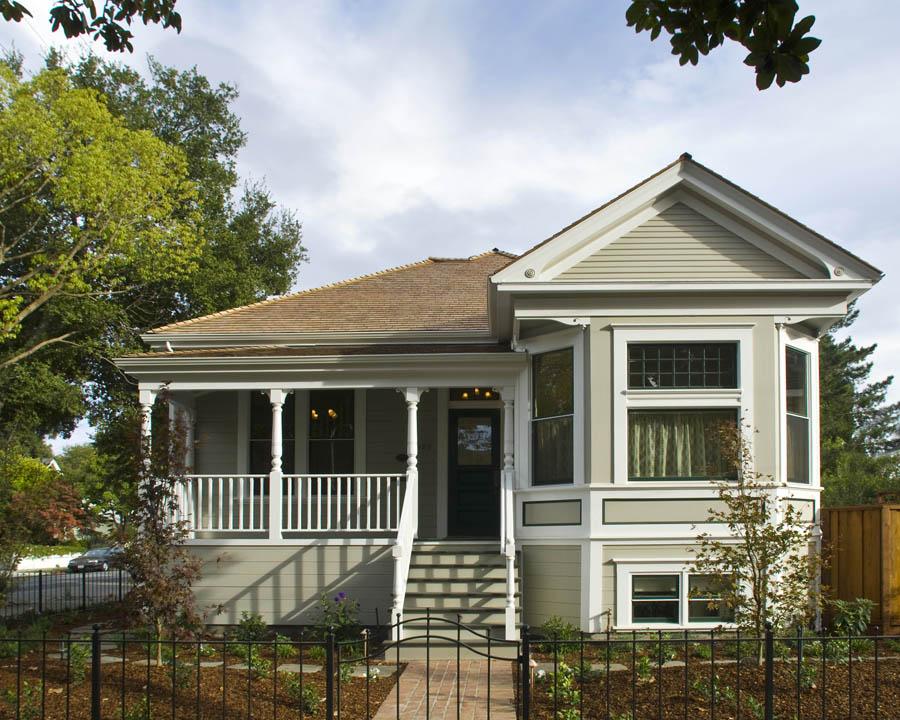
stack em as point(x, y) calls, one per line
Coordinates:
point(613, 676)
point(49, 591)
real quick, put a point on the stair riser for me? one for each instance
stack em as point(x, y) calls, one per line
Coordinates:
point(435, 572)
point(468, 617)
point(457, 587)
point(438, 604)
point(456, 559)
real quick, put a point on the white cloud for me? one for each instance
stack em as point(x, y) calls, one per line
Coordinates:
point(408, 129)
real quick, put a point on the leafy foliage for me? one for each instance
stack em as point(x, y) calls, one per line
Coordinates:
point(779, 45)
point(859, 428)
point(163, 568)
point(766, 568)
point(251, 627)
point(110, 23)
point(564, 634)
point(851, 617)
point(340, 615)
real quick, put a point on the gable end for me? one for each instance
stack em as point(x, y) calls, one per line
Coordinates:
point(679, 244)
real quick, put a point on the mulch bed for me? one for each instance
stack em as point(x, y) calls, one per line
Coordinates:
point(662, 695)
point(220, 694)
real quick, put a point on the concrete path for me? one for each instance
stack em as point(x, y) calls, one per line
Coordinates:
point(473, 691)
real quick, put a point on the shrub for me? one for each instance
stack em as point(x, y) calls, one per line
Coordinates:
point(251, 627)
point(138, 711)
point(563, 689)
point(314, 652)
point(340, 614)
point(852, 617)
point(306, 696)
point(560, 631)
point(29, 700)
point(284, 647)
point(79, 654)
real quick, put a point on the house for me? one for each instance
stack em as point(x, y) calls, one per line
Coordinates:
point(508, 438)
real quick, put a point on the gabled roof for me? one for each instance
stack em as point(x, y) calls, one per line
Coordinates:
point(757, 219)
point(439, 295)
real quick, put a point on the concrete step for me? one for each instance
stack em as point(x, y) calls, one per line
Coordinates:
point(467, 616)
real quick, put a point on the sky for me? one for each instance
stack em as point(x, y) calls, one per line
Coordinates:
point(399, 130)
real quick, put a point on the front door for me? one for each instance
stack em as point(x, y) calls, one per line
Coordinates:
point(473, 507)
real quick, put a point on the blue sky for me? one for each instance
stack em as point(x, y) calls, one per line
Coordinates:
point(399, 130)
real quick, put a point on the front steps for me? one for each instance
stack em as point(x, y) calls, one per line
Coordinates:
point(459, 582)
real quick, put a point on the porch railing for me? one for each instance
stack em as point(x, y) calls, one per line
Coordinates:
point(334, 504)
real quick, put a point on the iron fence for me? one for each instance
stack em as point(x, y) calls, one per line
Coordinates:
point(50, 591)
point(612, 676)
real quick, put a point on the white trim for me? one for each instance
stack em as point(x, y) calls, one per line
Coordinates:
point(573, 338)
point(626, 569)
point(791, 337)
point(625, 399)
point(724, 286)
point(183, 339)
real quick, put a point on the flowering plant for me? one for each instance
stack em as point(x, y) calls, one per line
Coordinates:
point(340, 614)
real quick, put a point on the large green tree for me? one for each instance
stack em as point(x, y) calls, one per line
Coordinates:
point(75, 238)
point(860, 429)
point(778, 44)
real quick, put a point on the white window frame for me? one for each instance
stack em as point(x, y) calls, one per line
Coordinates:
point(537, 346)
point(791, 338)
point(625, 399)
point(626, 570)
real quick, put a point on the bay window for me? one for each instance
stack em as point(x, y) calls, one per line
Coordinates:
point(552, 418)
point(797, 406)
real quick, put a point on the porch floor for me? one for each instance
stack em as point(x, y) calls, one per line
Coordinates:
point(442, 698)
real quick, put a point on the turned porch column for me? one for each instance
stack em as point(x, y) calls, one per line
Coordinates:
point(276, 398)
point(412, 396)
point(146, 398)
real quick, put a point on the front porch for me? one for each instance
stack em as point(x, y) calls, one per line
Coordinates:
point(390, 466)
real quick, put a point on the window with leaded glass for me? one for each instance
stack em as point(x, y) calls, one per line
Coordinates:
point(682, 365)
point(552, 418)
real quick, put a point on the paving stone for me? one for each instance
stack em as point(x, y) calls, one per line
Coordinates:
point(298, 668)
point(378, 671)
point(613, 667)
point(210, 663)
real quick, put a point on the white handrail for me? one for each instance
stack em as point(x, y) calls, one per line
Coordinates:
point(402, 551)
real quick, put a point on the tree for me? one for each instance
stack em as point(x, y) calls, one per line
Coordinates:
point(36, 506)
point(73, 232)
point(110, 23)
point(860, 430)
point(779, 45)
point(766, 569)
point(162, 567)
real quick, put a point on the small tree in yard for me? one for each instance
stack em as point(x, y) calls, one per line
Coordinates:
point(163, 568)
point(766, 569)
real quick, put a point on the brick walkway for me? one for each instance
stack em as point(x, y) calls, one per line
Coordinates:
point(472, 687)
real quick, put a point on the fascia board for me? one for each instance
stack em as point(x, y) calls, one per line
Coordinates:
point(570, 240)
point(679, 286)
point(242, 339)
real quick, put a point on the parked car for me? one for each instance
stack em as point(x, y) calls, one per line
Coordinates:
point(97, 559)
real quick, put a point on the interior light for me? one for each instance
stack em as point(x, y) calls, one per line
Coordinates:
point(487, 393)
point(314, 414)
point(465, 396)
point(477, 391)
point(331, 413)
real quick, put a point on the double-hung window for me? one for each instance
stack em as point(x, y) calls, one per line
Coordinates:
point(552, 418)
point(797, 406)
point(672, 442)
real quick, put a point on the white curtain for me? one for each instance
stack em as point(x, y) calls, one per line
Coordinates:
point(676, 444)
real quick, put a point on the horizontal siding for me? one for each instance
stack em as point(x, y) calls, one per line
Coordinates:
point(284, 583)
point(677, 244)
point(215, 451)
point(551, 583)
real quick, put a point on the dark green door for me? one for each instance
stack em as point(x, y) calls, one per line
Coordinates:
point(473, 505)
